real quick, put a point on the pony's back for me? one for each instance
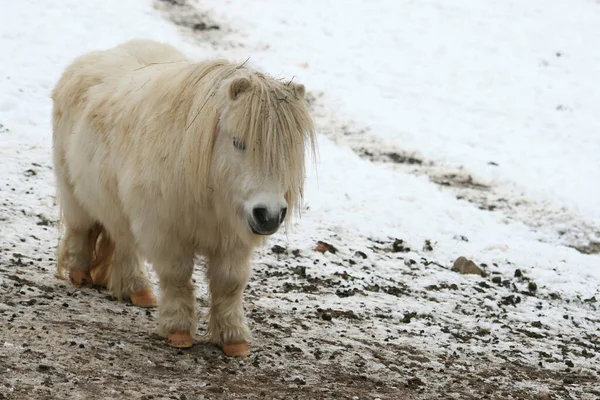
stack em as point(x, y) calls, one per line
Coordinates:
point(97, 66)
point(151, 52)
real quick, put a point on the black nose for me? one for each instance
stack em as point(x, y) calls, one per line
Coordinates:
point(282, 214)
point(266, 222)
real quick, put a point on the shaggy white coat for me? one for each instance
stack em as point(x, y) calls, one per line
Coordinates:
point(149, 165)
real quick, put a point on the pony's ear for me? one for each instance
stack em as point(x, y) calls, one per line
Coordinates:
point(299, 90)
point(238, 86)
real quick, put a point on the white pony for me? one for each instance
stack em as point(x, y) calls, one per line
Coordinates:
point(162, 158)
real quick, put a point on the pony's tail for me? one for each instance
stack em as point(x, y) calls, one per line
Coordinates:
point(102, 250)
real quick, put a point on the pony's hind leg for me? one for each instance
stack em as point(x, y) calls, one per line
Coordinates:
point(88, 254)
point(76, 246)
point(74, 256)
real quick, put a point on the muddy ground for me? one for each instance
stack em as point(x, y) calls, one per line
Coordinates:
point(324, 326)
point(343, 318)
point(330, 317)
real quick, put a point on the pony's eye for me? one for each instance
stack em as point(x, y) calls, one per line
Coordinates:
point(239, 144)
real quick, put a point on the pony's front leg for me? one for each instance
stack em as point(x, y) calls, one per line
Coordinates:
point(228, 275)
point(177, 319)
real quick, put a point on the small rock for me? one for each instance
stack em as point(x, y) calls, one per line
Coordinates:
point(408, 317)
point(44, 367)
point(277, 249)
point(323, 247)
point(510, 300)
point(43, 221)
point(427, 246)
point(360, 254)
point(326, 316)
point(414, 383)
point(518, 273)
point(299, 381)
point(398, 246)
point(202, 26)
point(29, 302)
point(301, 271)
point(463, 265)
point(532, 286)
point(568, 380)
point(403, 159)
point(587, 354)
point(292, 349)
point(346, 293)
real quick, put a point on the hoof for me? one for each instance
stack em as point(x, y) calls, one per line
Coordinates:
point(80, 278)
point(100, 279)
point(236, 349)
point(180, 339)
point(144, 298)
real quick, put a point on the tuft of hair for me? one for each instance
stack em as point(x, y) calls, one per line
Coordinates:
point(102, 256)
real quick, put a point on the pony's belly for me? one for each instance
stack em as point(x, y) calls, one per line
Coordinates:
point(94, 180)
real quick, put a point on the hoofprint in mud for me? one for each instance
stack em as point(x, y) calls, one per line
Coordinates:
point(374, 310)
point(162, 158)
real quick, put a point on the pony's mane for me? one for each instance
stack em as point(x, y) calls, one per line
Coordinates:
point(270, 116)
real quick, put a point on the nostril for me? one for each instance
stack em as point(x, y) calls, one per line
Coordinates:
point(260, 215)
point(282, 214)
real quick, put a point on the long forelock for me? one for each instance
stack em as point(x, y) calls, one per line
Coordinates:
point(276, 127)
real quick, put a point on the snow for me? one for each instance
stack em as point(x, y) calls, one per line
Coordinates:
point(466, 83)
point(460, 85)
point(40, 39)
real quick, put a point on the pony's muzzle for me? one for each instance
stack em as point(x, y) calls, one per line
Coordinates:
point(266, 222)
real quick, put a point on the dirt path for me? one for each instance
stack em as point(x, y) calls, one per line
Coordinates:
point(324, 326)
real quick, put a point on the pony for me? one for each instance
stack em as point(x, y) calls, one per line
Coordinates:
point(162, 159)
